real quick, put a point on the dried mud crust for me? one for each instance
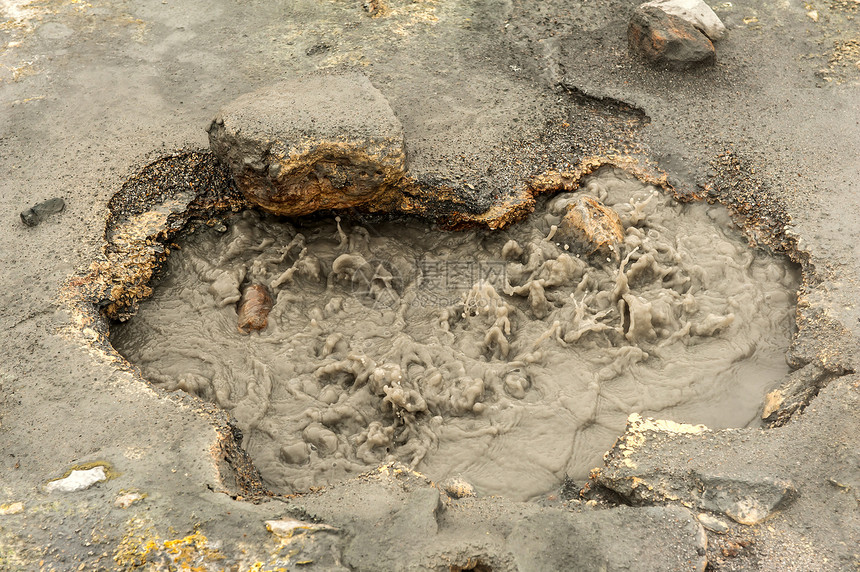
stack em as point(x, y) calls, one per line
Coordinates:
point(594, 339)
point(144, 215)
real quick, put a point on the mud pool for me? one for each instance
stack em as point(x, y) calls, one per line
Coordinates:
point(511, 358)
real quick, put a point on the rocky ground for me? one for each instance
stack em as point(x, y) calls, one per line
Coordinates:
point(497, 100)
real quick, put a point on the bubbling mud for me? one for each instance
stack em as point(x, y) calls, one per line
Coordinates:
point(510, 358)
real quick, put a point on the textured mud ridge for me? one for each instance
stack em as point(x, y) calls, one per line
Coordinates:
point(511, 358)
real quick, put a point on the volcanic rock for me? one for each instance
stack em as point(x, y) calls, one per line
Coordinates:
point(314, 143)
point(667, 40)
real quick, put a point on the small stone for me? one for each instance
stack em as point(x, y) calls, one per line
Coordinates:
point(11, 508)
point(458, 488)
point(254, 308)
point(78, 480)
point(696, 12)
point(772, 402)
point(666, 40)
point(38, 213)
point(713, 523)
point(375, 8)
point(732, 549)
point(592, 225)
point(128, 499)
point(285, 528)
point(746, 501)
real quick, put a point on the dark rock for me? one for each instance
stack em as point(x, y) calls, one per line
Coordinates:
point(667, 40)
point(795, 393)
point(318, 142)
point(37, 213)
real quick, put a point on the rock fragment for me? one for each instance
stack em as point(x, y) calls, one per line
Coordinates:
point(38, 213)
point(746, 501)
point(593, 226)
point(254, 308)
point(128, 499)
point(667, 40)
point(696, 12)
point(712, 523)
point(636, 470)
point(11, 508)
point(78, 480)
point(315, 143)
point(285, 528)
point(795, 393)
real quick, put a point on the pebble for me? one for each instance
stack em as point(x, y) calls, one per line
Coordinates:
point(11, 508)
point(667, 40)
point(39, 212)
point(458, 488)
point(696, 12)
point(286, 527)
point(127, 500)
point(713, 523)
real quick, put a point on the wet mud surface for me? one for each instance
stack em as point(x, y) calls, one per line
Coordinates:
point(508, 358)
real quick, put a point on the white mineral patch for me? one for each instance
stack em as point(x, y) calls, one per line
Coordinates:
point(78, 480)
point(11, 508)
point(696, 12)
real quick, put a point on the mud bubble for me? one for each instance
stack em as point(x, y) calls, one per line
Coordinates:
point(508, 358)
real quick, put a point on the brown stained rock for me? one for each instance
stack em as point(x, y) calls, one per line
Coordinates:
point(666, 40)
point(254, 308)
point(592, 225)
point(313, 143)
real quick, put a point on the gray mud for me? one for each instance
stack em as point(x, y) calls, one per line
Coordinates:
point(506, 357)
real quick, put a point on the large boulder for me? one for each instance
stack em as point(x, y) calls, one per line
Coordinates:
point(314, 143)
point(667, 40)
